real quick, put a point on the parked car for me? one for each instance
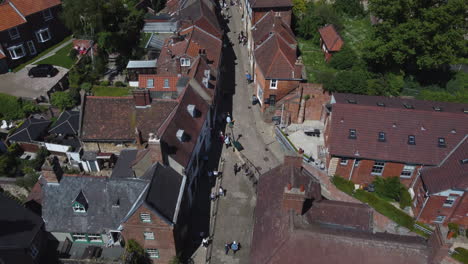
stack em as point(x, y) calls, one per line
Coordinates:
point(42, 70)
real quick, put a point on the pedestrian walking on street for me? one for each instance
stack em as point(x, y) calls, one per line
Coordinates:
point(227, 141)
point(205, 242)
point(221, 136)
point(234, 247)
point(228, 119)
point(248, 76)
point(236, 169)
point(227, 247)
point(213, 197)
point(221, 191)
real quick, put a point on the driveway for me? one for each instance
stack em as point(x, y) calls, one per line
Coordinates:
point(19, 84)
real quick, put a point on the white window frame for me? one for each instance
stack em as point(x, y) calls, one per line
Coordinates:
point(378, 165)
point(274, 84)
point(81, 237)
point(39, 36)
point(184, 62)
point(14, 54)
point(97, 238)
point(407, 169)
point(148, 235)
point(30, 45)
point(440, 219)
point(166, 83)
point(152, 252)
point(78, 208)
point(344, 161)
point(149, 83)
point(14, 36)
point(356, 162)
point(33, 250)
point(47, 14)
point(450, 201)
point(260, 94)
point(145, 217)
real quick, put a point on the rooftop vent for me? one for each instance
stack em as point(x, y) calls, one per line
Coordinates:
point(408, 106)
point(180, 135)
point(192, 110)
point(442, 143)
point(381, 104)
point(437, 108)
point(352, 101)
point(411, 140)
point(207, 74)
point(382, 136)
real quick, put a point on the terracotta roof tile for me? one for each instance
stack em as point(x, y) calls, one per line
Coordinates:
point(397, 122)
point(331, 38)
point(158, 82)
point(270, 3)
point(28, 7)
point(115, 118)
point(9, 17)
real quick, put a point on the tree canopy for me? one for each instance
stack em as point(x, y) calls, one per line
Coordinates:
point(62, 100)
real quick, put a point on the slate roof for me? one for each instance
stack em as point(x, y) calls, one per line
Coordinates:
point(67, 123)
point(451, 173)
point(19, 225)
point(101, 193)
point(331, 38)
point(275, 49)
point(123, 166)
point(397, 122)
point(32, 129)
point(192, 126)
point(164, 194)
point(270, 3)
point(10, 18)
point(115, 118)
point(28, 7)
point(329, 232)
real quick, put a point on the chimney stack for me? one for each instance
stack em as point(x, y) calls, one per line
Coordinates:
point(51, 170)
point(294, 198)
point(138, 137)
point(142, 98)
point(154, 146)
point(294, 160)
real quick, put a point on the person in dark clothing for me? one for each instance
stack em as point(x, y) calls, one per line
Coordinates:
point(227, 247)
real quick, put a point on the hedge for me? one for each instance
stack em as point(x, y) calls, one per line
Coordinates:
point(461, 254)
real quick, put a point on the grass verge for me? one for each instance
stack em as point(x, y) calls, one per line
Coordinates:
point(21, 66)
point(461, 254)
point(60, 58)
point(111, 91)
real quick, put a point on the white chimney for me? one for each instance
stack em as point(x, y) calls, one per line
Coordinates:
point(180, 135)
point(191, 109)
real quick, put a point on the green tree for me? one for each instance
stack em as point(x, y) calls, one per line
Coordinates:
point(353, 81)
point(316, 16)
point(135, 253)
point(352, 8)
point(345, 59)
point(157, 5)
point(62, 100)
point(299, 8)
point(7, 165)
point(389, 188)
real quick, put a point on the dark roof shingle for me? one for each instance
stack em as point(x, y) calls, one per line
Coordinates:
point(33, 129)
point(67, 123)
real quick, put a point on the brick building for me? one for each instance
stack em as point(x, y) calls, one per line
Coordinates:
point(330, 41)
point(28, 27)
point(276, 71)
point(373, 136)
point(294, 225)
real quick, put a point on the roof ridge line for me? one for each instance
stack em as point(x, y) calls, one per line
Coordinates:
point(453, 150)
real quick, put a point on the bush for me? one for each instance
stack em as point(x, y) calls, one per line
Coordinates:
point(454, 228)
point(29, 180)
point(15, 108)
point(345, 59)
point(73, 54)
point(343, 184)
point(461, 254)
point(134, 253)
point(42, 154)
point(388, 187)
point(405, 198)
point(62, 100)
point(104, 83)
point(120, 84)
point(352, 8)
point(86, 86)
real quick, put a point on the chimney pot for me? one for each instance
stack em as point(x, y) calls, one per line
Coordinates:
point(289, 186)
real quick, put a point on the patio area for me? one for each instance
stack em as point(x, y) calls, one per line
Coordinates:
point(84, 250)
point(309, 137)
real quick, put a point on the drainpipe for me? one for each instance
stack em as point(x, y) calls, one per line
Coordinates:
point(422, 208)
point(352, 169)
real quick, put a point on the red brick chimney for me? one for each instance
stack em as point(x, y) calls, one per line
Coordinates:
point(141, 98)
point(154, 146)
point(51, 170)
point(294, 160)
point(294, 198)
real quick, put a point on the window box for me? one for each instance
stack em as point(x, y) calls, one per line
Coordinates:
point(449, 201)
point(79, 237)
point(440, 219)
point(344, 161)
point(43, 35)
point(95, 238)
point(184, 62)
point(17, 52)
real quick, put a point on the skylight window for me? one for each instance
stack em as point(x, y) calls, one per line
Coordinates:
point(437, 108)
point(381, 104)
point(442, 143)
point(352, 101)
point(464, 161)
point(352, 134)
point(382, 136)
point(408, 106)
point(411, 140)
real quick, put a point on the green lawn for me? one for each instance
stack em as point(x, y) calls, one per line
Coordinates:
point(60, 58)
point(21, 66)
point(355, 34)
point(111, 91)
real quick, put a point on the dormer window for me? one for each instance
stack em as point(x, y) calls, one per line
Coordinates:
point(192, 110)
point(411, 140)
point(185, 62)
point(352, 134)
point(381, 104)
point(352, 101)
point(80, 204)
point(14, 33)
point(437, 108)
point(408, 106)
point(180, 134)
point(442, 143)
point(273, 84)
point(78, 208)
point(382, 136)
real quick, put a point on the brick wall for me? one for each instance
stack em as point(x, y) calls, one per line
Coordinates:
point(164, 240)
point(456, 213)
point(30, 147)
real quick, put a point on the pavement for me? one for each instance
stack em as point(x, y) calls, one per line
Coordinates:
point(232, 216)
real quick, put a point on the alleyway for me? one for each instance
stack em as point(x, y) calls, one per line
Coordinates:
point(232, 215)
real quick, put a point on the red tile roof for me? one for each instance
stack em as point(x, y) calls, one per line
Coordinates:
point(271, 23)
point(198, 73)
point(201, 13)
point(330, 232)
point(28, 7)
point(192, 127)
point(397, 122)
point(9, 17)
point(452, 173)
point(158, 81)
point(331, 38)
point(115, 118)
point(270, 3)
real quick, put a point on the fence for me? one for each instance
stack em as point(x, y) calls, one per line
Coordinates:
point(423, 229)
point(283, 140)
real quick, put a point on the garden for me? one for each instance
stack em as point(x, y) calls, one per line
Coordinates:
point(61, 58)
